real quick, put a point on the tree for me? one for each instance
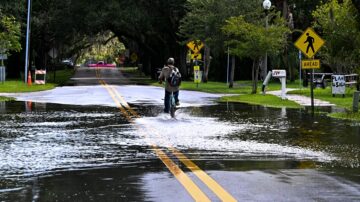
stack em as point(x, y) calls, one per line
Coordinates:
point(106, 47)
point(9, 34)
point(337, 22)
point(253, 40)
point(204, 20)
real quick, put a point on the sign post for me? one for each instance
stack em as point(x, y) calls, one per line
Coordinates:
point(2, 67)
point(195, 47)
point(197, 75)
point(309, 43)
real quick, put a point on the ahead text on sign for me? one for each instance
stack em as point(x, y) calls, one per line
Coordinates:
point(310, 64)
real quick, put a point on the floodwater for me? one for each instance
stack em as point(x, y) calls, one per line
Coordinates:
point(53, 152)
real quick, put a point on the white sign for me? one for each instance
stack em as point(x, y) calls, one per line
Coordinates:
point(197, 74)
point(338, 84)
point(278, 73)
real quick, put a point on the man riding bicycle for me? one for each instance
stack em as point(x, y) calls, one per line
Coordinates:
point(165, 75)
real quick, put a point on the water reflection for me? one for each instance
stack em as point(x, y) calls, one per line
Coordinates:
point(2, 106)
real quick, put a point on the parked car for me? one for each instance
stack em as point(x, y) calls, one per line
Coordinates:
point(68, 62)
point(101, 64)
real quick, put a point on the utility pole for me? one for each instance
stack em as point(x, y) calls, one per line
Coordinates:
point(27, 41)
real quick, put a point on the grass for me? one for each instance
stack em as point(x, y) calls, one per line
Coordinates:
point(242, 93)
point(355, 116)
point(240, 87)
point(326, 94)
point(241, 90)
point(19, 86)
point(16, 86)
point(3, 99)
point(264, 100)
point(61, 76)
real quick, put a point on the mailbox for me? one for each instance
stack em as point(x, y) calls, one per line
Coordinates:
point(278, 73)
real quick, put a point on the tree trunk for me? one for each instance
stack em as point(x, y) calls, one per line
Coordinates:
point(232, 73)
point(207, 62)
point(255, 74)
point(182, 62)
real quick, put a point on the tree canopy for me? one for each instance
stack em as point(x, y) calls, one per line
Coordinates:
point(253, 40)
point(9, 34)
point(339, 27)
point(159, 29)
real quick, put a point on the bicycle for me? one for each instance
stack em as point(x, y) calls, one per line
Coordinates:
point(172, 105)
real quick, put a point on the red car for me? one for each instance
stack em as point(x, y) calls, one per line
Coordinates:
point(102, 64)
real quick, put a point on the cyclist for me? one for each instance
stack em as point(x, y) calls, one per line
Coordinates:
point(164, 76)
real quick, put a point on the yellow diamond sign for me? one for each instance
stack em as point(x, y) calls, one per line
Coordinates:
point(195, 45)
point(309, 43)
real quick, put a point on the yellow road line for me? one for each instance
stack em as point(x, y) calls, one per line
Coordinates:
point(124, 103)
point(187, 183)
point(183, 178)
point(205, 178)
point(124, 112)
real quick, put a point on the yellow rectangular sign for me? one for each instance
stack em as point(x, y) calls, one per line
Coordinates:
point(196, 56)
point(310, 64)
point(197, 74)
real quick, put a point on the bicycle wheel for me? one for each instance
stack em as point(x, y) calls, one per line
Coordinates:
point(172, 106)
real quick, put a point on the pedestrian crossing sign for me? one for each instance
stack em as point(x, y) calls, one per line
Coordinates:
point(309, 43)
point(195, 45)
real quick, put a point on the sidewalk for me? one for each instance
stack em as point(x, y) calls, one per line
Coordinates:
point(300, 99)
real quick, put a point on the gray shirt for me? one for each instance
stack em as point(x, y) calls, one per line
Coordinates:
point(165, 74)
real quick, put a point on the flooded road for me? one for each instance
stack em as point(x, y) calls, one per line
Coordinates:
point(84, 143)
point(86, 153)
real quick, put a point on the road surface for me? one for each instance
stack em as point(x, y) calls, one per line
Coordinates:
point(104, 139)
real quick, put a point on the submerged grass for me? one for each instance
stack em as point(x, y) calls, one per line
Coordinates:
point(264, 100)
point(3, 99)
point(355, 116)
point(326, 94)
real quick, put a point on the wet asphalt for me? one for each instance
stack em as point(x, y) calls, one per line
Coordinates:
point(93, 152)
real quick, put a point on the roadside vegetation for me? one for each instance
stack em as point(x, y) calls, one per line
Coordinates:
point(326, 95)
point(19, 86)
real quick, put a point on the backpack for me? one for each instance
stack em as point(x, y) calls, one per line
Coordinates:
point(174, 79)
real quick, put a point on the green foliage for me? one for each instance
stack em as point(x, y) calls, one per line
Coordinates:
point(253, 39)
point(339, 27)
point(105, 46)
point(205, 18)
point(9, 34)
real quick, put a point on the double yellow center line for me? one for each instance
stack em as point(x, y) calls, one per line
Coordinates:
point(181, 176)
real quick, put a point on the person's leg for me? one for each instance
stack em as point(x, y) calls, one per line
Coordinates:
point(167, 102)
point(176, 96)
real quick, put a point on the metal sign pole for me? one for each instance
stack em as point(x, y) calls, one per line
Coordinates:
point(228, 66)
point(300, 68)
point(312, 92)
point(27, 41)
